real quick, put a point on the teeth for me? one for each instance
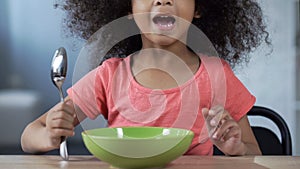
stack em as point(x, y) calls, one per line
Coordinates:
point(163, 16)
point(166, 25)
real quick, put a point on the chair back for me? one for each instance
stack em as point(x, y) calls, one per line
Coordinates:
point(267, 139)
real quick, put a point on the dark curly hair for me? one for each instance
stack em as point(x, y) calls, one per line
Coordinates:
point(235, 27)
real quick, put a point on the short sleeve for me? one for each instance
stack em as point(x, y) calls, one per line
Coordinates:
point(89, 94)
point(238, 99)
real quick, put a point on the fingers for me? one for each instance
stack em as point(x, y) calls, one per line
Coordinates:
point(213, 117)
point(62, 123)
point(57, 115)
point(60, 120)
point(226, 129)
point(221, 126)
point(57, 133)
point(233, 132)
point(211, 112)
point(217, 114)
point(205, 112)
point(55, 136)
point(66, 106)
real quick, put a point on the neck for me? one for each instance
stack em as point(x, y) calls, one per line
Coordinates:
point(175, 59)
point(165, 66)
point(166, 54)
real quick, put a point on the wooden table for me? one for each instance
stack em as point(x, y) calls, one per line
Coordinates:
point(184, 162)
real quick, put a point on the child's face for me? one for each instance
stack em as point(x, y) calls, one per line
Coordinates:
point(157, 18)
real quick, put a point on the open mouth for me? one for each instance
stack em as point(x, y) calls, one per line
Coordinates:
point(164, 22)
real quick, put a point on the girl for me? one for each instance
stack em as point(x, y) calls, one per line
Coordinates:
point(137, 91)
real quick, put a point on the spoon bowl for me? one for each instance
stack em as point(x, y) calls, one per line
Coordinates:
point(59, 69)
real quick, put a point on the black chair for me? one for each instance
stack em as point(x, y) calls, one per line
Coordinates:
point(268, 141)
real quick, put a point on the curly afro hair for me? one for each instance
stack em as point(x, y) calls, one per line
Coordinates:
point(235, 27)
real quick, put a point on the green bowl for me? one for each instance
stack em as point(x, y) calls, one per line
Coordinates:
point(137, 147)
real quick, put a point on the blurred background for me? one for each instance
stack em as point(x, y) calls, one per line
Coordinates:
point(30, 32)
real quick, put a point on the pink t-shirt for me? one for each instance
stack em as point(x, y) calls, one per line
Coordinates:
point(111, 90)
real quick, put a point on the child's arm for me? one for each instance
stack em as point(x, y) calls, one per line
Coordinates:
point(231, 137)
point(45, 133)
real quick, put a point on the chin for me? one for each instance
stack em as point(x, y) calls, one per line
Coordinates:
point(162, 40)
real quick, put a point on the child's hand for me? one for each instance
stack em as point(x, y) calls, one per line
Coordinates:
point(60, 122)
point(223, 130)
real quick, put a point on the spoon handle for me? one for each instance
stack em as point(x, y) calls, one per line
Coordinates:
point(61, 95)
point(63, 150)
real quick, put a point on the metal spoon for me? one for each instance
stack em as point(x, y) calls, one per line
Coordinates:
point(58, 76)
